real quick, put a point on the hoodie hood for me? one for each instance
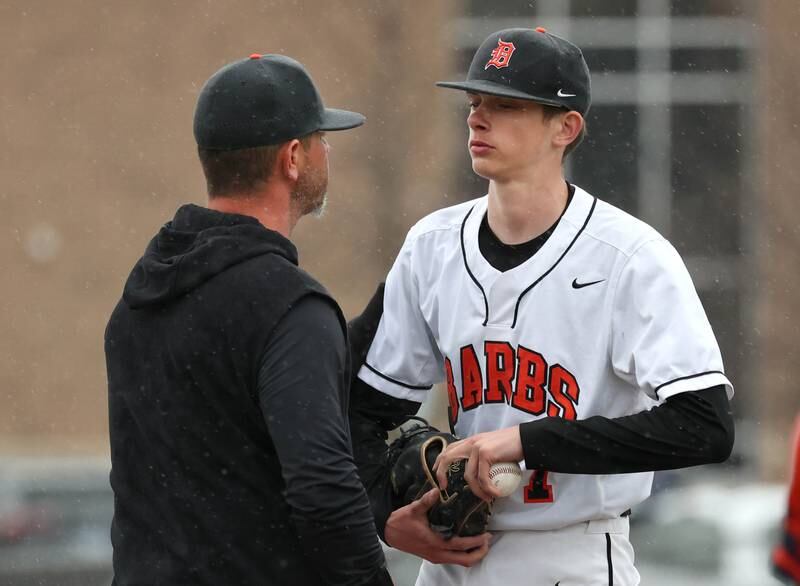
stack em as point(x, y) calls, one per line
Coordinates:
point(195, 246)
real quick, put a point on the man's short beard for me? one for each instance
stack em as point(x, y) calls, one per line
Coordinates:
point(319, 211)
point(310, 193)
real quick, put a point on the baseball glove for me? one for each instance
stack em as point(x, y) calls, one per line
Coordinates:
point(458, 511)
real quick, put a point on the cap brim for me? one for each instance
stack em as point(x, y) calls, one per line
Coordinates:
point(479, 86)
point(333, 119)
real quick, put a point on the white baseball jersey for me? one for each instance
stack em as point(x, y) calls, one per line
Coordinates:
point(602, 320)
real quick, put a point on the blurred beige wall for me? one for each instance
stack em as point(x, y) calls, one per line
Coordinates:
point(777, 276)
point(95, 124)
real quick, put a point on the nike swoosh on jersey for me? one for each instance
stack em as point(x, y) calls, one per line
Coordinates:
point(576, 285)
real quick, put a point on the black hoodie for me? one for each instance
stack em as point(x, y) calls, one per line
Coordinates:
point(223, 472)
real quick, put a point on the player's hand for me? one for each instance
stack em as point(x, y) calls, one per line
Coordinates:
point(407, 529)
point(481, 450)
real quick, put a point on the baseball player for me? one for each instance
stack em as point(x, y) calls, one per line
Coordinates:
point(568, 333)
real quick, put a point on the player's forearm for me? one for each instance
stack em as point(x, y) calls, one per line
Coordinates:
point(372, 415)
point(687, 430)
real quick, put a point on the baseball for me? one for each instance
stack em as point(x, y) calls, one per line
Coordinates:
point(505, 476)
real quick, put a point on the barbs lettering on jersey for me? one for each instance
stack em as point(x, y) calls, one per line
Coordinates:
point(519, 377)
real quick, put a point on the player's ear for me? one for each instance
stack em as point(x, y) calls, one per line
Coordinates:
point(569, 127)
point(289, 160)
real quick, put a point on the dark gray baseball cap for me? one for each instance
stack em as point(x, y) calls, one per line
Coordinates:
point(529, 64)
point(263, 100)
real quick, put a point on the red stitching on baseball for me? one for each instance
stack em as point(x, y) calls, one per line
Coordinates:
point(505, 468)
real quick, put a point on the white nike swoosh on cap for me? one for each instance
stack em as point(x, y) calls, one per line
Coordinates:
point(560, 93)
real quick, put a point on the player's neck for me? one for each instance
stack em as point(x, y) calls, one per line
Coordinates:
point(520, 211)
point(270, 209)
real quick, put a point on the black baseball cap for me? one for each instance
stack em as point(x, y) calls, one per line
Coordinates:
point(263, 100)
point(529, 64)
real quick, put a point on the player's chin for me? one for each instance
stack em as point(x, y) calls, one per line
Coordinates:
point(484, 167)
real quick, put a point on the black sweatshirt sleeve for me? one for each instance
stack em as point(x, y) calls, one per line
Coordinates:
point(302, 393)
point(688, 429)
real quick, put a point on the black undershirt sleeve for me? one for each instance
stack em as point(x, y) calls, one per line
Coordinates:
point(688, 429)
point(372, 415)
point(302, 393)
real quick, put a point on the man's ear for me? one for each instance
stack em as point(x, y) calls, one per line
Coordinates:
point(290, 159)
point(570, 126)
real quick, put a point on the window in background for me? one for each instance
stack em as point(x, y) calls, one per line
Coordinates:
point(708, 7)
point(589, 8)
point(607, 161)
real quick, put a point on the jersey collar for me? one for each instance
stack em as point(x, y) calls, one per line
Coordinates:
point(504, 292)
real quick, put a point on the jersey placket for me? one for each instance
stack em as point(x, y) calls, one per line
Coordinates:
point(506, 293)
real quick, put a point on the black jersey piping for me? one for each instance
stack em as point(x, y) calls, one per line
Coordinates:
point(469, 272)
point(675, 380)
point(550, 270)
point(610, 563)
point(397, 382)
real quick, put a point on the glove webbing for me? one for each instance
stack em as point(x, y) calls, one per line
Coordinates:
point(444, 495)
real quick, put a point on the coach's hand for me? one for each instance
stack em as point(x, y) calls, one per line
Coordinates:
point(482, 450)
point(407, 529)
